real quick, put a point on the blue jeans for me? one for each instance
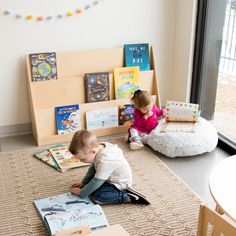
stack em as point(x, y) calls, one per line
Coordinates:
point(109, 194)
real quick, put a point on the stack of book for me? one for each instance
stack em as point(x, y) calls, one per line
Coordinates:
point(59, 158)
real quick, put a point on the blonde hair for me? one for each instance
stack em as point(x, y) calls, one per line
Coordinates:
point(83, 140)
point(141, 98)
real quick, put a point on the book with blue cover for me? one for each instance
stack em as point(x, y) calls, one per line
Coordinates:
point(137, 55)
point(65, 211)
point(68, 119)
point(126, 114)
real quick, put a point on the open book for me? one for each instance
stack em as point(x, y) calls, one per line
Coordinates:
point(66, 211)
point(65, 159)
point(59, 158)
point(46, 157)
point(180, 117)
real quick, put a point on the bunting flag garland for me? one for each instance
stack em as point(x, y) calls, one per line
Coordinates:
point(41, 18)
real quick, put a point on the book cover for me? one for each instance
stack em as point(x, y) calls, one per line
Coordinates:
point(68, 119)
point(137, 55)
point(43, 66)
point(181, 111)
point(65, 211)
point(127, 81)
point(46, 157)
point(65, 159)
point(103, 118)
point(126, 114)
point(97, 87)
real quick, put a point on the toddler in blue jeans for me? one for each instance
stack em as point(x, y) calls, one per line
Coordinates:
point(109, 177)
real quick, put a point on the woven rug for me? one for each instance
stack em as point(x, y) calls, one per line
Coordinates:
point(174, 208)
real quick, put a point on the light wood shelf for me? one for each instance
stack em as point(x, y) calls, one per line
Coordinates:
point(68, 89)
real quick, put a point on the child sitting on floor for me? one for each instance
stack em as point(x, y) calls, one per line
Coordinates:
point(145, 119)
point(109, 177)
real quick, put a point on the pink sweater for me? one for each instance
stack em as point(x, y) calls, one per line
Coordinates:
point(146, 125)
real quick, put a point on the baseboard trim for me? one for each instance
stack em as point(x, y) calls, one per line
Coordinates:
point(18, 129)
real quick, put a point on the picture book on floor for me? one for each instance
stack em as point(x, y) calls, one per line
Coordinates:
point(46, 157)
point(127, 81)
point(102, 118)
point(137, 55)
point(126, 114)
point(65, 159)
point(181, 111)
point(43, 66)
point(97, 87)
point(67, 119)
point(65, 211)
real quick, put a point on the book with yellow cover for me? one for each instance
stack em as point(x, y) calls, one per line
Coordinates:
point(65, 159)
point(127, 81)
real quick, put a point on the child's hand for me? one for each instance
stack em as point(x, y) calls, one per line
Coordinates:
point(77, 185)
point(148, 114)
point(75, 191)
point(164, 112)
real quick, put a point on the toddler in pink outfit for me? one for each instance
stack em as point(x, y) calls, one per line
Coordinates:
point(145, 119)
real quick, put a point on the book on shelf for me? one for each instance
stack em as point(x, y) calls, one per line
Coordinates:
point(126, 114)
point(137, 55)
point(66, 211)
point(67, 119)
point(46, 157)
point(102, 118)
point(180, 117)
point(43, 66)
point(65, 159)
point(97, 87)
point(127, 81)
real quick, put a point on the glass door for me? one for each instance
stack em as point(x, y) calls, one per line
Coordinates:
point(214, 67)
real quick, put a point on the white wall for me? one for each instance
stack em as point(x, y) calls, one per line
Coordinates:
point(111, 23)
point(183, 50)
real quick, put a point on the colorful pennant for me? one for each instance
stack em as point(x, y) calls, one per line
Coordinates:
point(41, 18)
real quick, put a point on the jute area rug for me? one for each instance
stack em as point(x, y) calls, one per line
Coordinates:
point(174, 208)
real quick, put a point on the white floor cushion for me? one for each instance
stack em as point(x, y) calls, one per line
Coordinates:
point(178, 144)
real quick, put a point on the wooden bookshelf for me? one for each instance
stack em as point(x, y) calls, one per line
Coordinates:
point(68, 89)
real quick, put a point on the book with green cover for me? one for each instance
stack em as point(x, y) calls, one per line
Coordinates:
point(46, 157)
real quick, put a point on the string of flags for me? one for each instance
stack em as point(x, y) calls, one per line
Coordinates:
point(49, 17)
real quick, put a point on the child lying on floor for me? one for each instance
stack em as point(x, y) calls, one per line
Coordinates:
point(109, 177)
